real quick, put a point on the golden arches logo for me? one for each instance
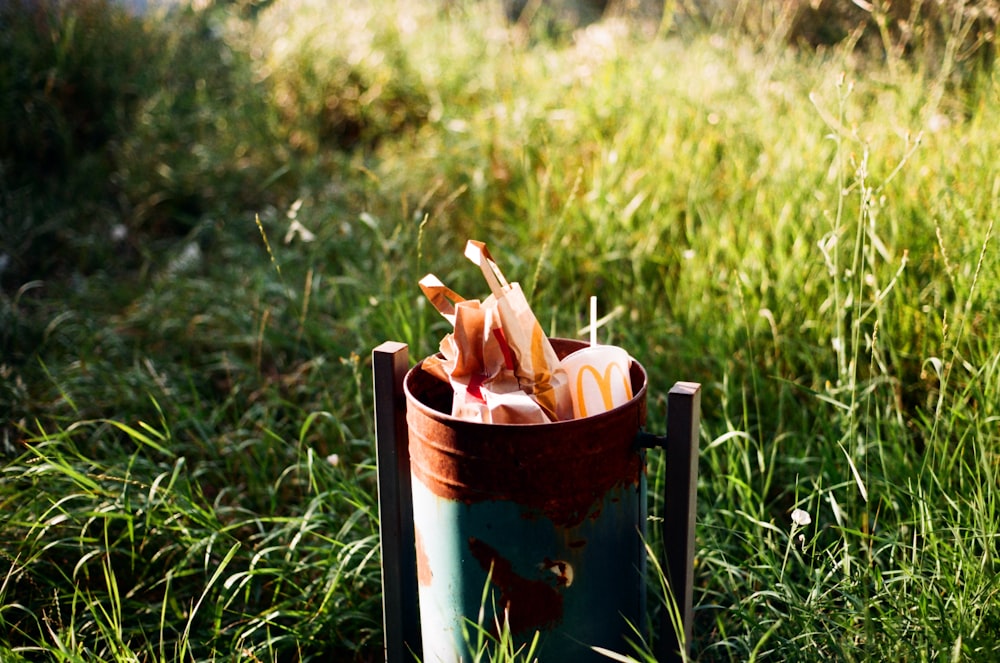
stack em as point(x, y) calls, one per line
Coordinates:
point(604, 385)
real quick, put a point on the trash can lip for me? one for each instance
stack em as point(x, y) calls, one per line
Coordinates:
point(636, 372)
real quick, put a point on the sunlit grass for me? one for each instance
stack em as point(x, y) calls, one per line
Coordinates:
point(187, 438)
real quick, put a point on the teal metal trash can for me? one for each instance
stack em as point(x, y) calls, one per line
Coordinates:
point(546, 521)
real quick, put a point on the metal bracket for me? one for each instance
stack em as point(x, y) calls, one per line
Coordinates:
point(679, 508)
point(400, 612)
point(646, 440)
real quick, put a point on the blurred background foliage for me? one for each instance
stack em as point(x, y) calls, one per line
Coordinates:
point(120, 129)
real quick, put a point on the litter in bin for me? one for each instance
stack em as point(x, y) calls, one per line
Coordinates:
point(501, 365)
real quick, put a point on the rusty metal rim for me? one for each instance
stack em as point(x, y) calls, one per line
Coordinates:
point(437, 415)
point(452, 451)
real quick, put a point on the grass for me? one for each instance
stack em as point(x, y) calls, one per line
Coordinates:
point(190, 297)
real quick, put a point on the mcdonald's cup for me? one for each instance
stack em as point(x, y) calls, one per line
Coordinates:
point(598, 378)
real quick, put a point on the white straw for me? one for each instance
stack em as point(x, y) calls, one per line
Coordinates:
point(593, 321)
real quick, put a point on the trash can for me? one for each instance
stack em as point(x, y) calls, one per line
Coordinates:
point(539, 527)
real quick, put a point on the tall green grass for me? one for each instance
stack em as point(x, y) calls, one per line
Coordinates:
point(187, 439)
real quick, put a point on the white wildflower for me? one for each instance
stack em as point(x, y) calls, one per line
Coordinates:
point(119, 232)
point(801, 518)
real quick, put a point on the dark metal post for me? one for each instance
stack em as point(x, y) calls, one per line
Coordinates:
point(679, 506)
point(400, 616)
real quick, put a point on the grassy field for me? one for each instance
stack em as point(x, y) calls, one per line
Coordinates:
point(209, 218)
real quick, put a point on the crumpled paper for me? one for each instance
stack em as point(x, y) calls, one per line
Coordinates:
point(501, 366)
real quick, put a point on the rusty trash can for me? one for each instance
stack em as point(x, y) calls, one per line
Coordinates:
point(532, 528)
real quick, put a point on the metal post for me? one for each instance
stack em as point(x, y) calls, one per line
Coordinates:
point(679, 506)
point(400, 616)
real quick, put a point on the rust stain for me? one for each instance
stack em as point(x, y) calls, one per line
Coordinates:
point(562, 569)
point(529, 604)
point(424, 575)
point(559, 470)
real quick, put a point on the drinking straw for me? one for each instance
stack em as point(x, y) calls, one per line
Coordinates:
point(593, 321)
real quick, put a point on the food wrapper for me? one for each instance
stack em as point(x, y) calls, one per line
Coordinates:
point(536, 364)
point(499, 362)
point(477, 361)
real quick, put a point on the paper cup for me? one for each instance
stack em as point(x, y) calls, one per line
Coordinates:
point(598, 378)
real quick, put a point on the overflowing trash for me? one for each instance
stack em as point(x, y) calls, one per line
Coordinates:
point(503, 368)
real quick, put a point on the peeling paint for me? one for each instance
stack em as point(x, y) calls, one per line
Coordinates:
point(560, 470)
point(550, 515)
point(562, 569)
point(424, 574)
point(528, 604)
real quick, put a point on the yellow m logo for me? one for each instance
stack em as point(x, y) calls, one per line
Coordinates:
point(604, 384)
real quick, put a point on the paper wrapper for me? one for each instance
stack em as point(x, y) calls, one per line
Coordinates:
point(477, 360)
point(536, 364)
